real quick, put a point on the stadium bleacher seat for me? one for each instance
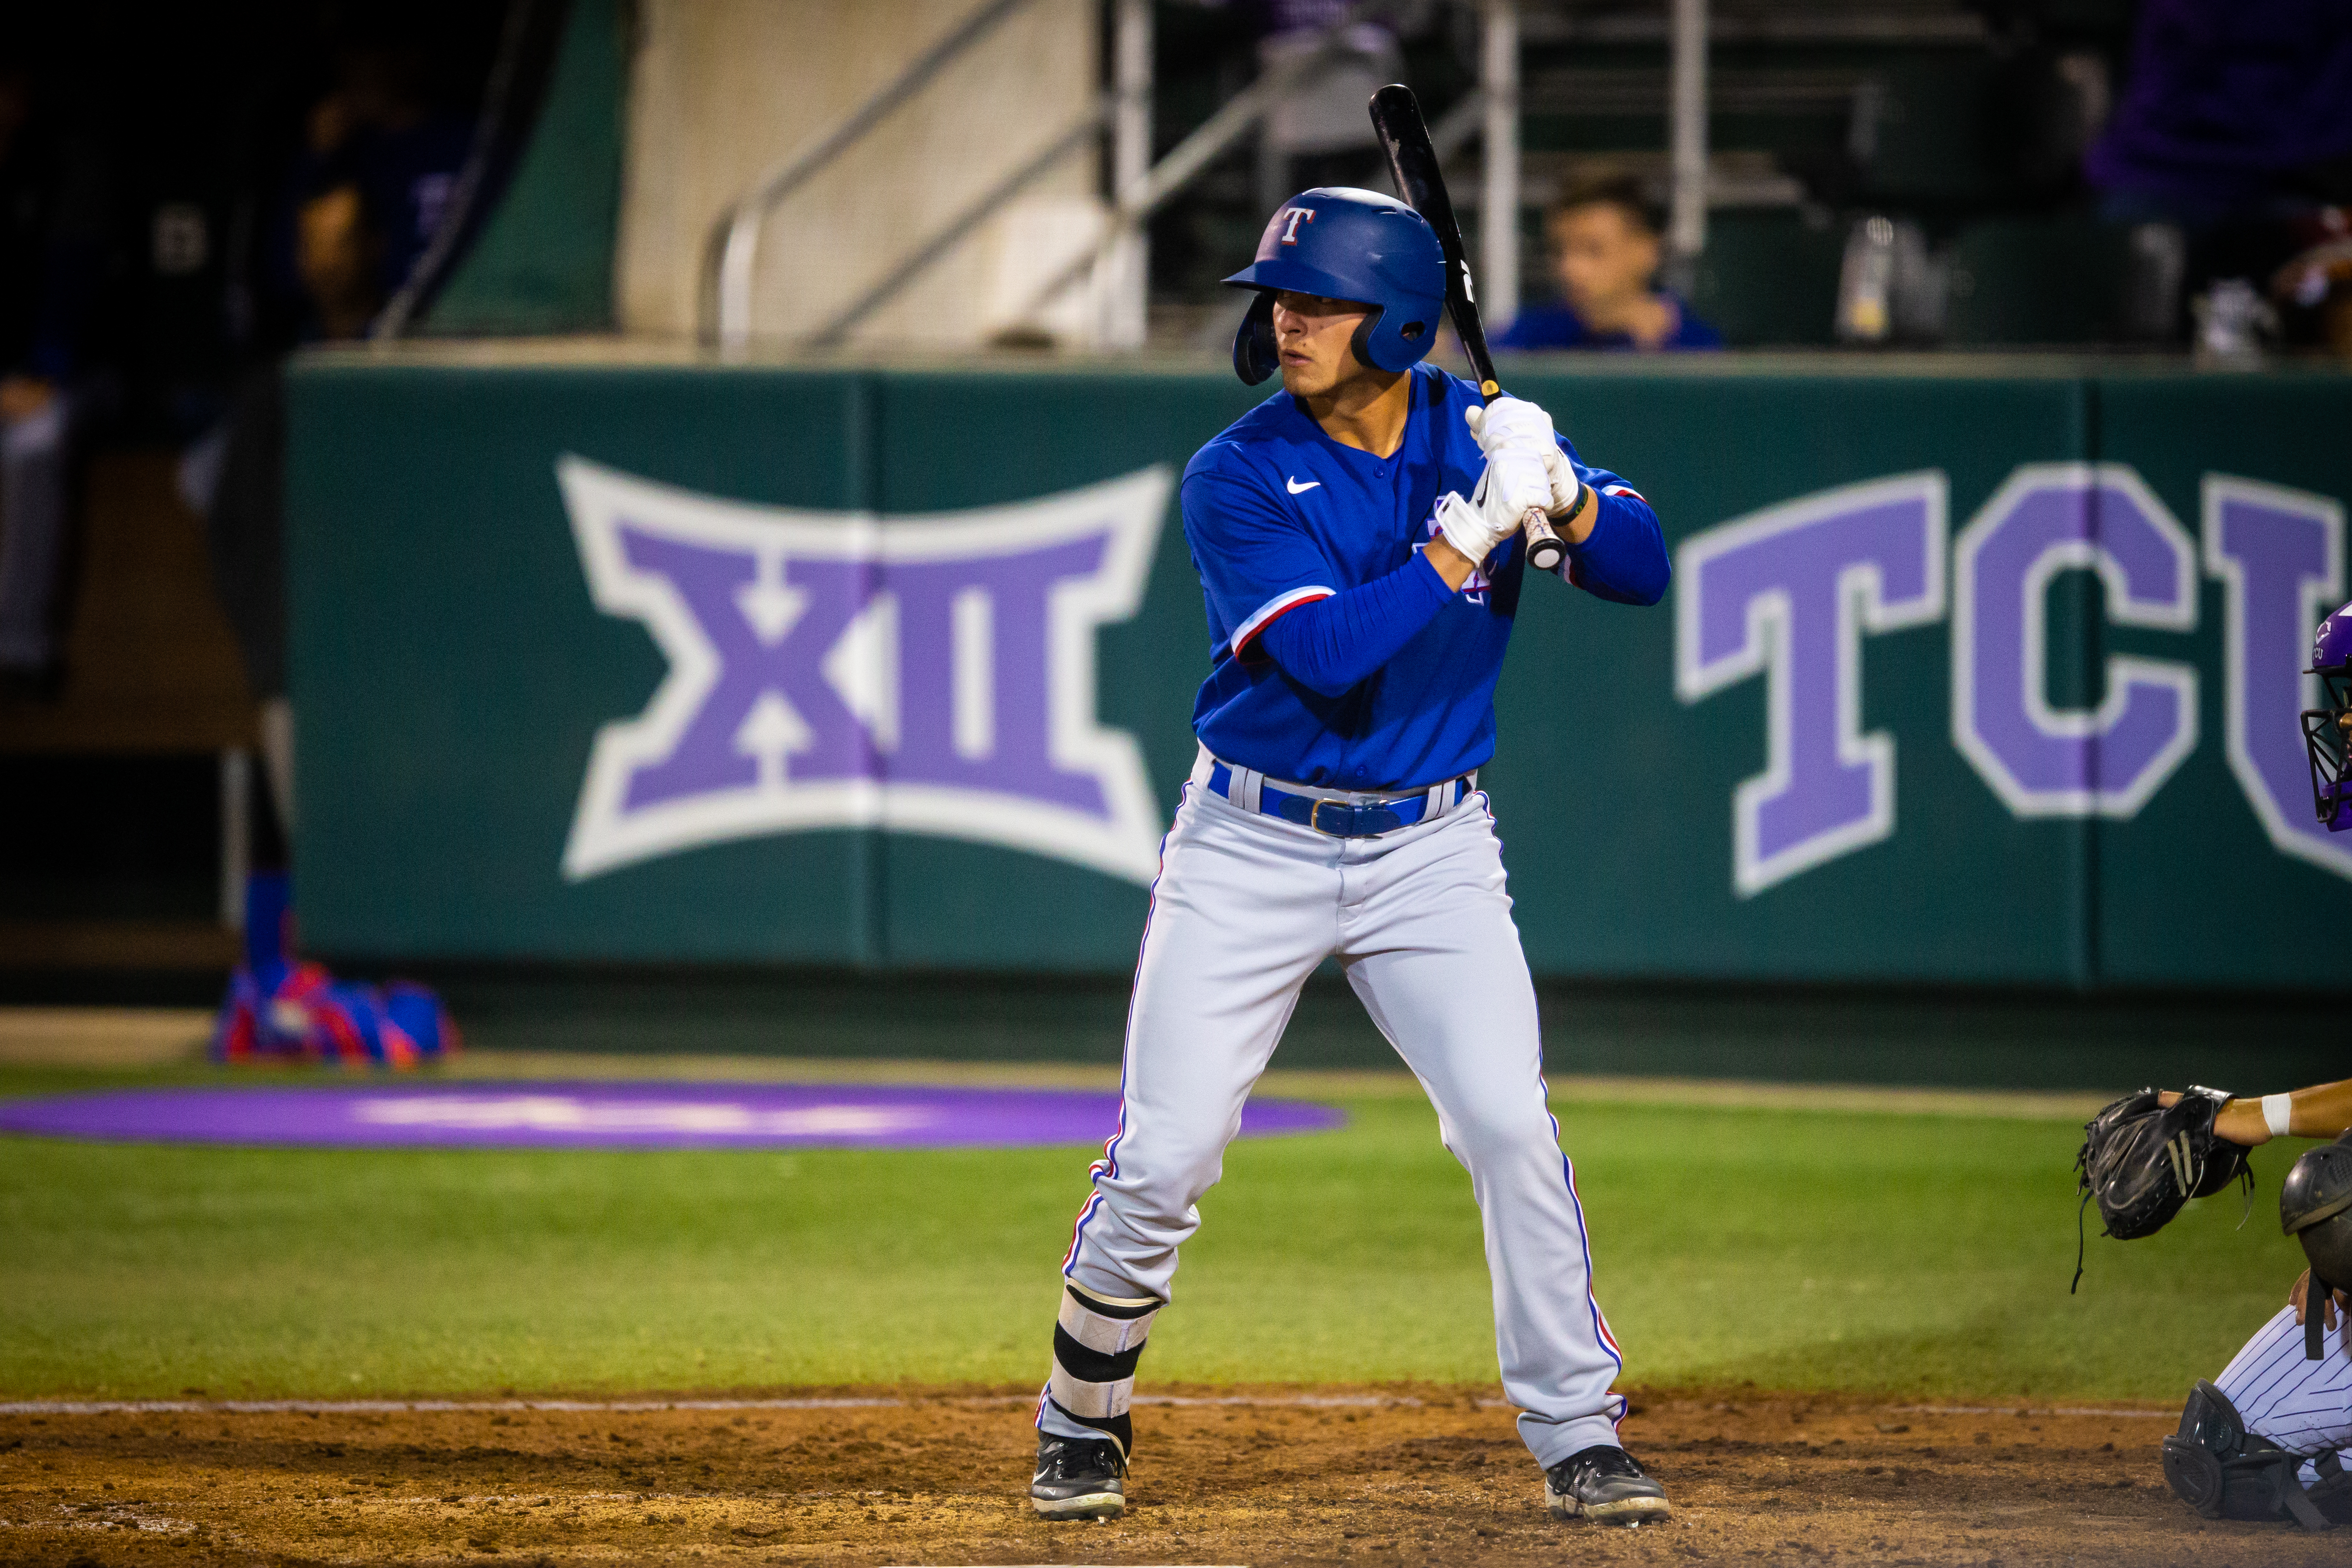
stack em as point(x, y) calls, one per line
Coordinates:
point(1769, 279)
point(1920, 135)
point(2038, 280)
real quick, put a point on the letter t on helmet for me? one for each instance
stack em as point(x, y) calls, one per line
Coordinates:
point(1345, 244)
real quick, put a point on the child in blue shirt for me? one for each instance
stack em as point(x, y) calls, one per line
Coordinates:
point(1605, 251)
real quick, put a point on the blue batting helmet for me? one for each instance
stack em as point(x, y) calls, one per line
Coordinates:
point(1346, 244)
point(2327, 731)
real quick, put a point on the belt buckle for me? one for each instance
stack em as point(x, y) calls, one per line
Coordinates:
point(1315, 815)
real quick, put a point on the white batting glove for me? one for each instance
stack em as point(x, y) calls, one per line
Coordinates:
point(1468, 527)
point(1510, 421)
point(1566, 489)
point(1526, 469)
point(1514, 484)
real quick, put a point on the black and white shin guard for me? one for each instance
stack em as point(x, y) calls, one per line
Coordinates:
point(1097, 1340)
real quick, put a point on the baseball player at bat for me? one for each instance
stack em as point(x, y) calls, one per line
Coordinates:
point(1357, 536)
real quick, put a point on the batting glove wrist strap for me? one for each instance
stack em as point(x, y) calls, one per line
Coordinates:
point(1471, 528)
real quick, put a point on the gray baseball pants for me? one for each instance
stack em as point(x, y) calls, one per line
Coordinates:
point(1245, 906)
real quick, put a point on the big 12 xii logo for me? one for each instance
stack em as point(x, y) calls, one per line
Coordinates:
point(927, 674)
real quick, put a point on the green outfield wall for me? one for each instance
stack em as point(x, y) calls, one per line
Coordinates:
point(1970, 673)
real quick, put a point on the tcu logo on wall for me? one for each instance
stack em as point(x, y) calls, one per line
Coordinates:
point(1794, 592)
point(929, 674)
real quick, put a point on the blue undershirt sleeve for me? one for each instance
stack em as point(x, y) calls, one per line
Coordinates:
point(1330, 645)
point(1624, 557)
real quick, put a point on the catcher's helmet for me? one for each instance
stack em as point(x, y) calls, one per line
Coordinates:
point(2325, 729)
point(2315, 1209)
point(1346, 244)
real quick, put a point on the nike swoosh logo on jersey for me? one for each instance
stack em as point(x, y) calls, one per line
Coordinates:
point(1296, 489)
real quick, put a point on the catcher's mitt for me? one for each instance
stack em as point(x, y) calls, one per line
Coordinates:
point(2141, 1161)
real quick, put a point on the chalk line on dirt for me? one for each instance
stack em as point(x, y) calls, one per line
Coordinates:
point(431, 1407)
point(2016, 1410)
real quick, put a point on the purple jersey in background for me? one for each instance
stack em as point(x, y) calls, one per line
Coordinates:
point(2228, 99)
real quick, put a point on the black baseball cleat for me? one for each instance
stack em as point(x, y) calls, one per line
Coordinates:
point(1078, 1477)
point(1604, 1485)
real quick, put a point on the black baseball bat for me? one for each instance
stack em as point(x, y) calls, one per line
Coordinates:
point(1412, 161)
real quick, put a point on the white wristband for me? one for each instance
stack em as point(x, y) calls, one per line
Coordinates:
point(2276, 1111)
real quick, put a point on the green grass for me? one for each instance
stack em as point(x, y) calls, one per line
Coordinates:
point(1922, 1255)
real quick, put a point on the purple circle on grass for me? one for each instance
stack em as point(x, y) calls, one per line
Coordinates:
point(606, 1115)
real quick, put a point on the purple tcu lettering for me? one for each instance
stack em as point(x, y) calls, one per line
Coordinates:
point(1788, 592)
point(829, 670)
point(2280, 556)
point(2048, 518)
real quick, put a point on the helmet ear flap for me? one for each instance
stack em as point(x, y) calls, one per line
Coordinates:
point(1360, 345)
point(1255, 354)
point(1386, 346)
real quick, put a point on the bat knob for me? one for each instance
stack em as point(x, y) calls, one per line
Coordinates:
point(1546, 549)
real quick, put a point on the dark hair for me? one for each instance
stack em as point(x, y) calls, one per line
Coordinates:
point(1623, 192)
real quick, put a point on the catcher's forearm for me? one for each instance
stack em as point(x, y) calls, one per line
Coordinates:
point(2322, 1110)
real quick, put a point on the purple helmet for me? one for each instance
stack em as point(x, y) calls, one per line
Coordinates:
point(2327, 731)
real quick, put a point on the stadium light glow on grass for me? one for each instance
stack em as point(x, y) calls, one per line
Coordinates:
point(1920, 1255)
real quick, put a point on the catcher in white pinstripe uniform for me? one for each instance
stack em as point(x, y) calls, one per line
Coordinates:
point(2269, 1438)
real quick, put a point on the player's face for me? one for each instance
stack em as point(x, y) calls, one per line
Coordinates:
point(1313, 335)
point(1605, 259)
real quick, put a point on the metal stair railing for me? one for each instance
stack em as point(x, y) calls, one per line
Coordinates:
point(1191, 157)
point(734, 245)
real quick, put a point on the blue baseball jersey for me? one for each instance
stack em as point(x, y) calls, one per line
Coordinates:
point(1278, 515)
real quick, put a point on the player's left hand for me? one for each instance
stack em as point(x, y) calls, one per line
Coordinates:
point(1473, 530)
point(2239, 1120)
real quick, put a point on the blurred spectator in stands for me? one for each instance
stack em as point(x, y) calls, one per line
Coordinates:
point(338, 252)
point(371, 186)
point(1606, 248)
point(383, 129)
point(2315, 287)
point(338, 255)
point(52, 219)
point(2235, 126)
point(371, 183)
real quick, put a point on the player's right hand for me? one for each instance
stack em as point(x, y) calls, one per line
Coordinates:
point(1510, 423)
point(1517, 439)
point(1514, 484)
point(2332, 1307)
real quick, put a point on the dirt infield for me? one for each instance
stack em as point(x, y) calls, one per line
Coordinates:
point(1280, 1477)
point(1376, 1476)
